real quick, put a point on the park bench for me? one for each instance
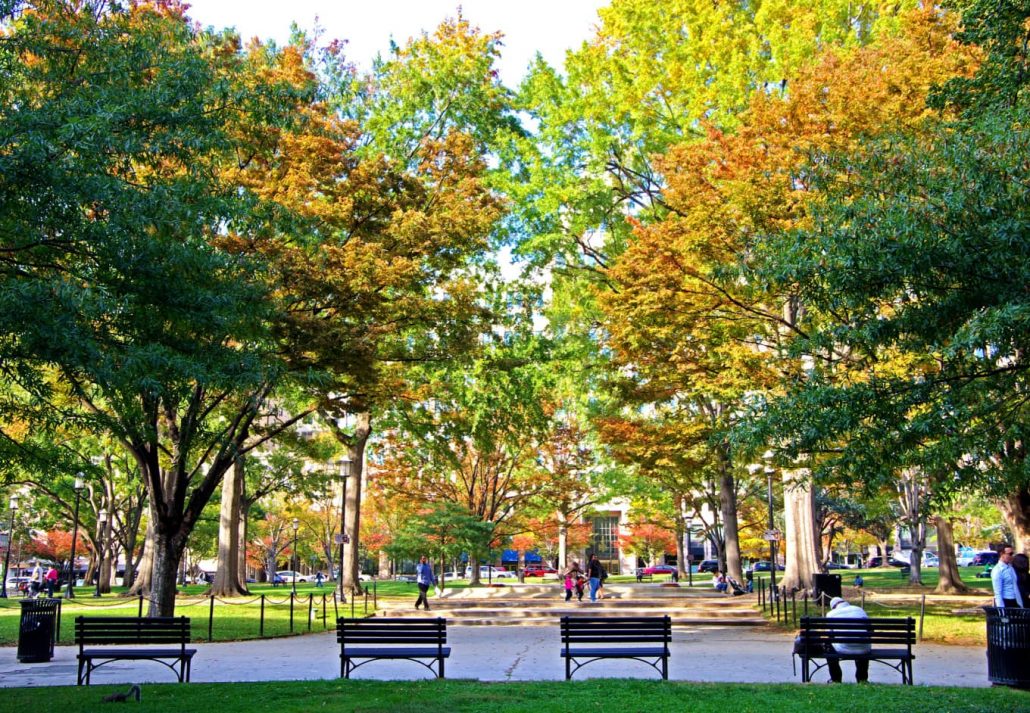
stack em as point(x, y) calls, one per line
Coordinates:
point(145, 635)
point(643, 638)
point(890, 640)
point(392, 638)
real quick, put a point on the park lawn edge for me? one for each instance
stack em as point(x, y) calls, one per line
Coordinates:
point(426, 696)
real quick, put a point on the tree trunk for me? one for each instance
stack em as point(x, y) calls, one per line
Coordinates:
point(728, 506)
point(384, 564)
point(681, 531)
point(522, 566)
point(227, 582)
point(352, 518)
point(146, 564)
point(801, 557)
point(882, 544)
point(563, 542)
point(242, 532)
point(474, 564)
point(1016, 509)
point(950, 581)
point(168, 551)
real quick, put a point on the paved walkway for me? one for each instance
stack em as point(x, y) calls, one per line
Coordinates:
point(509, 653)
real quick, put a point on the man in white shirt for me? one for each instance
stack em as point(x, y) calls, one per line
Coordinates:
point(840, 609)
point(1004, 581)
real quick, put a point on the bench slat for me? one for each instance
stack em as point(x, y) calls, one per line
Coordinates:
point(818, 635)
point(392, 638)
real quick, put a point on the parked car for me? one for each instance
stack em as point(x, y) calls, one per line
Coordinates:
point(287, 576)
point(659, 569)
point(982, 559)
point(764, 567)
point(931, 560)
point(409, 578)
point(488, 571)
point(877, 561)
point(837, 565)
point(708, 566)
point(539, 570)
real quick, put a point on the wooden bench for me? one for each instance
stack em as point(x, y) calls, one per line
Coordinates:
point(152, 632)
point(890, 640)
point(644, 638)
point(392, 638)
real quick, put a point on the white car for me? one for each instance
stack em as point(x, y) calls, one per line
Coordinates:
point(287, 575)
point(488, 571)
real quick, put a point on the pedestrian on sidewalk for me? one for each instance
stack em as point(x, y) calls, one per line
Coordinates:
point(35, 581)
point(594, 570)
point(1005, 582)
point(50, 580)
point(568, 586)
point(426, 579)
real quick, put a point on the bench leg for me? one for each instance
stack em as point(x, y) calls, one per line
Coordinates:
point(568, 667)
point(79, 678)
point(665, 668)
point(440, 667)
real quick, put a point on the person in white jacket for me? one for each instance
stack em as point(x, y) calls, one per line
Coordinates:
point(840, 609)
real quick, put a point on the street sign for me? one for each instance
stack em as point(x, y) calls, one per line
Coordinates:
point(343, 539)
point(772, 535)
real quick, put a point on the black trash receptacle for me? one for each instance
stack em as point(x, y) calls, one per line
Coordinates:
point(1008, 646)
point(37, 633)
point(827, 586)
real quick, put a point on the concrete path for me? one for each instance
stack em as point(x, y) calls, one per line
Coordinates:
point(509, 653)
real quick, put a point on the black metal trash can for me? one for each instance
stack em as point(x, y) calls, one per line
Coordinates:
point(37, 633)
point(827, 586)
point(1008, 646)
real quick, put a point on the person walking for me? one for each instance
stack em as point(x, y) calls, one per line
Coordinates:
point(841, 609)
point(50, 580)
point(425, 578)
point(594, 571)
point(318, 578)
point(568, 586)
point(1005, 582)
point(35, 581)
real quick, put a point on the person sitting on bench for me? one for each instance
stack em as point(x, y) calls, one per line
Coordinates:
point(840, 609)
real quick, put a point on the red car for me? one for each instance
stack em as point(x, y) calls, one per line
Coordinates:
point(537, 570)
point(659, 569)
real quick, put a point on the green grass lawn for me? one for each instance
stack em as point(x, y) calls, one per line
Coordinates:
point(610, 695)
point(233, 619)
point(948, 620)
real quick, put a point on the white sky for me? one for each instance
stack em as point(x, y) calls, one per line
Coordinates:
point(548, 26)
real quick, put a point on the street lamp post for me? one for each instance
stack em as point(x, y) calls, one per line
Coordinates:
point(296, 527)
point(79, 485)
point(101, 525)
point(689, 558)
point(344, 469)
point(10, 546)
point(769, 470)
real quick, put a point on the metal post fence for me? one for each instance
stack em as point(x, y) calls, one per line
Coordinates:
point(292, 594)
point(794, 608)
point(140, 614)
point(261, 630)
point(323, 611)
point(375, 596)
point(211, 617)
point(922, 613)
point(352, 605)
point(311, 604)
